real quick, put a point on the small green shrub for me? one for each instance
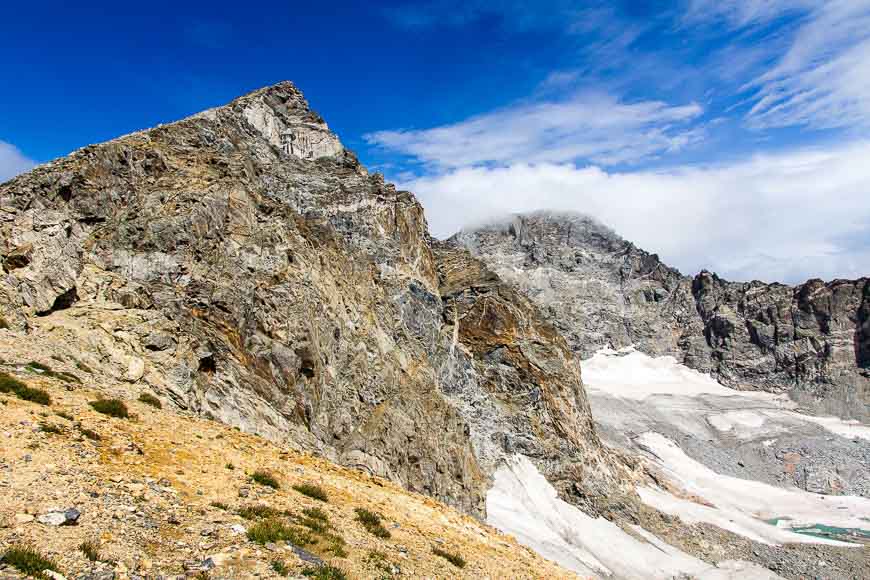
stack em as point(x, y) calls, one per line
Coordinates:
point(150, 399)
point(230, 466)
point(32, 365)
point(314, 524)
point(313, 491)
point(50, 428)
point(280, 567)
point(37, 396)
point(372, 523)
point(47, 371)
point(27, 560)
point(89, 433)
point(65, 415)
point(91, 550)
point(263, 477)
point(275, 530)
point(454, 559)
point(316, 513)
point(378, 561)
point(335, 545)
point(258, 512)
point(9, 384)
point(324, 572)
point(220, 505)
point(111, 407)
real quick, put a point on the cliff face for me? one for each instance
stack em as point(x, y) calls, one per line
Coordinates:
point(244, 265)
point(599, 290)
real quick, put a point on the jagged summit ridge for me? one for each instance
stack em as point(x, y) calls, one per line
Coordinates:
point(599, 290)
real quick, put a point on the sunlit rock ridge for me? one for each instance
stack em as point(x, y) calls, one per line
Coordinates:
point(243, 265)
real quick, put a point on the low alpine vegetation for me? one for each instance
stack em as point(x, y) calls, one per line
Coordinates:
point(316, 513)
point(372, 523)
point(258, 512)
point(27, 560)
point(65, 415)
point(50, 428)
point(378, 561)
point(324, 572)
point(11, 385)
point(91, 550)
point(263, 477)
point(321, 531)
point(334, 544)
point(275, 530)
point(47, 371)
point(89, 433)
point(151, 400)
point(454, 559)
point(111, 407)
point(220, 505)
point(280, 567)
point(313, 491)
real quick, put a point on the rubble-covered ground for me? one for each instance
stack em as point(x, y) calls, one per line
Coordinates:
point(161, 494)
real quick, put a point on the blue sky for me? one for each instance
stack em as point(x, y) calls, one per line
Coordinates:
point(729, 135)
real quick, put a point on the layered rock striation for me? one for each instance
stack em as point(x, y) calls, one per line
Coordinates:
point(599, 290)
point(244, 265)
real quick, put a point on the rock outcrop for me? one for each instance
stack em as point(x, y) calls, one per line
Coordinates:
point(811, 341)
point(242, 264)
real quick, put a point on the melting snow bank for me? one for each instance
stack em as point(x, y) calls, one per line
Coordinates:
point(523, 503)
point(629, 374)
point(741, 505)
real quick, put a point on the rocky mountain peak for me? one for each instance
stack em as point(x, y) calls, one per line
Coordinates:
point(601, 291)
point(245, 267)
point(282, 116)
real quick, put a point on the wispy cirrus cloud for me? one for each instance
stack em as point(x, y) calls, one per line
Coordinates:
point(821, 77)
point(587, 126)
point(743, 12)
point(823, 81)
point(12, 161)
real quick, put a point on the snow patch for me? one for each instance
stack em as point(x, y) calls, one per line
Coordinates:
point(738, 501)
point(523, 503)
point(630, 374)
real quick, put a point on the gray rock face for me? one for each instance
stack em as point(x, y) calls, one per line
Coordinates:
point(811, 340)
point(244, 266)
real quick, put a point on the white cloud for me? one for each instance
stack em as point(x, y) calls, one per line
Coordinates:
point(783, 217)
point(823, 80)
point(12, 161)
point(820, 78)
point(743, 12)
point(588, 126)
